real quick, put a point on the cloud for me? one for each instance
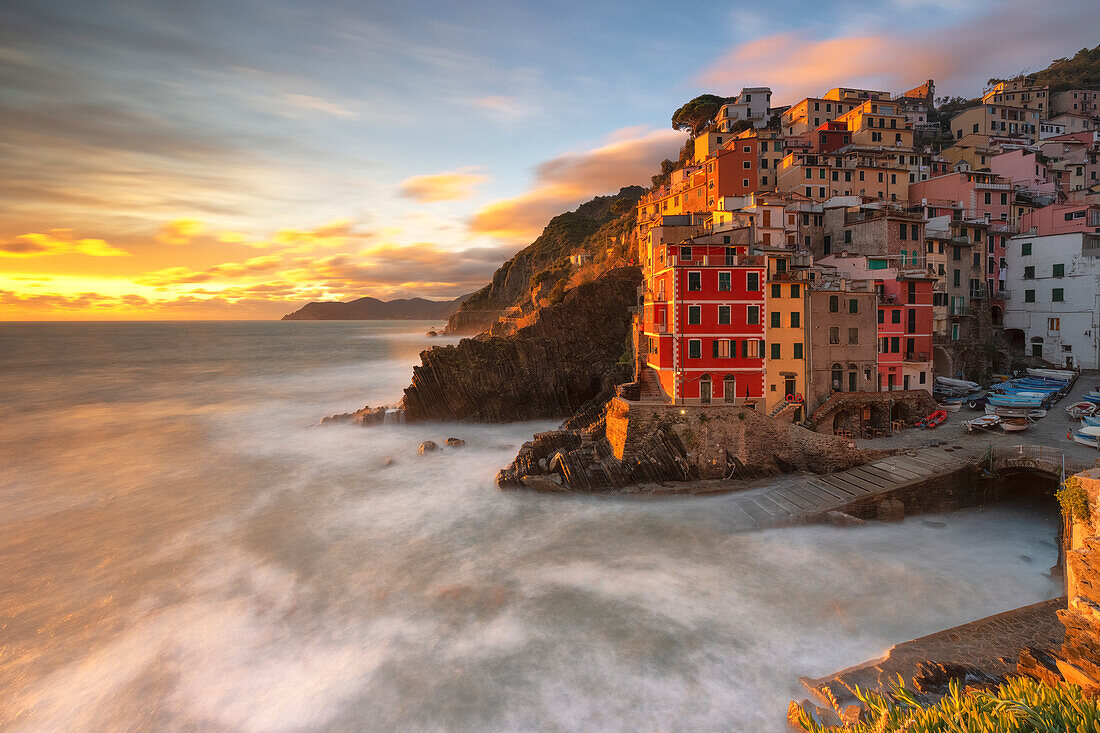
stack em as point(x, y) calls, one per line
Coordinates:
point(179, 231)
point(448, 186)
point(57, 242)
point(960, 57)
point(317, 104)
point(503, 106)
point(563, 182)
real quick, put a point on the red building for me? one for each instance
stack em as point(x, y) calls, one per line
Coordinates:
point(831, 136)
point(703, 321)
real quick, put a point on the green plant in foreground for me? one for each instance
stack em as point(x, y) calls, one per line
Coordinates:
point(1018, 706)
point(1074, 499)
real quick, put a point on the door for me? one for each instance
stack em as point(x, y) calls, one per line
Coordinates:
point(729, 389)
point(851, 381)
point(704, 391)
point(788, 387)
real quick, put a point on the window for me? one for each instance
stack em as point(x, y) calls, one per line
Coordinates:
point(838, 376)
point(904, 231)
point(775, 291)
point(1056, 295)
point(1059, 270)
point(723, 315)
point(752, 315)
point(853, 305)
point(794, 291)
point(722, 349)
point(798, 351)
point(895, 315)
point(1029, 296)
point(1029, 272)
point(977, 259)
point(881, 315)
point(724, 281)
point(957, 277)
point(746, 165)
point(895, 344)
point(775, 320)
point(695, 281)
point(695, 315)
point(834, 335)
point(1054, 324)
point(751, 349)
point(1025, 248)
point(775, 351)
point(853, 335)
point(834, 304)
point(752, 281)
point(695, 349)
point(956, 253)
point(847, 235)
point(796, 319)
point(685, 254)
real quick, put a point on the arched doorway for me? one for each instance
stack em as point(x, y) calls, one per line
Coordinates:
point(899, 411)
point(853, 378)
point(1016, 340)
point(704, 389)
point(838, 378)
point(729, 388)
point(997, 315)
point(941, 362)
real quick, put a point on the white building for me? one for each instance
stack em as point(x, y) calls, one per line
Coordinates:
point(751, 104)
point(1053, 284)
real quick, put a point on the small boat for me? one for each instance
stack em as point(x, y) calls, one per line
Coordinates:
point(1015, 424)
point(1088, 420)
point(1033, 412)
point(1059, 374)
point(957, 384)
point(933, 421)
point(951, 406)
point(986, 422)
point(1015, 400)
point(1089, 436)
point(1079, 410)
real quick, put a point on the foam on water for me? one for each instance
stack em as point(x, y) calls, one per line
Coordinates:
point(183, 548)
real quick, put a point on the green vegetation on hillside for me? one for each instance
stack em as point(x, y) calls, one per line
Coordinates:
point(1081, 71)
point(1021, 705)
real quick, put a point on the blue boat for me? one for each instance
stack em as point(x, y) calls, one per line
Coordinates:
point(1094, 421)
point(1016, 400)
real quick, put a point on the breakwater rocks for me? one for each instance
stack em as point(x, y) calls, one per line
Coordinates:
point(571, 355)
point(639, 447)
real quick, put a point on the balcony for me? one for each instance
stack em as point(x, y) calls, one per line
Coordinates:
point(657, 328)
point(916, 356)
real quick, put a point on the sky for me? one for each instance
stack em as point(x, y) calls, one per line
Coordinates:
point(235, 159)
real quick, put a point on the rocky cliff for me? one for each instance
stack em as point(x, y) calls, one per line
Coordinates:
point(540, 266)
point(573, 354)
point(630, 445)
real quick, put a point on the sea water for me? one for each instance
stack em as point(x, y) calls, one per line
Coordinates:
point(182, 548)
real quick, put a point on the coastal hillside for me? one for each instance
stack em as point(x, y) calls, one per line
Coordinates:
point(372, 309)
point(541, 273)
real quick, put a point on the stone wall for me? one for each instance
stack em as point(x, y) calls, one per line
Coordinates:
point(856, 410)
point(1078, 661)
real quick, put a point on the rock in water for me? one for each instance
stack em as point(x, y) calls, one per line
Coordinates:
point(454, 442)
point(891, 510)
point(426, 447)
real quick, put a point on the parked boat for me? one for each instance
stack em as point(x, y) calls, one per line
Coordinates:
point(1034, 413)
point(951, 406)
point(1089, 436)
point(985, 422)
point(1089, 420)
point(1015, 424)
point(1060, 374)
point(1016, 400)
point(1079, 410)
point(957, 384)
point(933, 421)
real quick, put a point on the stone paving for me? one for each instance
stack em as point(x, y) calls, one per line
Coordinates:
point(991, 644)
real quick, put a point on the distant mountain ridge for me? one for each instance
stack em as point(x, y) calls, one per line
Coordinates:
point(373, 309)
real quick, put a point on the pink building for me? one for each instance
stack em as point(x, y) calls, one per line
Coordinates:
point(980, 195)
point(1062, 219)
point(1024, 169)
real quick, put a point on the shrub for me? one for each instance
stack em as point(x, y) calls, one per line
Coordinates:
point(1021, 704)
point(1074, 499)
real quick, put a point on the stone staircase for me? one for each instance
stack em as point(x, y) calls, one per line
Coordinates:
point(649, 387)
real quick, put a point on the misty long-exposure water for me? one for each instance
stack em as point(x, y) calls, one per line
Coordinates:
point(181, 549)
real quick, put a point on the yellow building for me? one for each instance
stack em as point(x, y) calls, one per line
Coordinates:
point(786, 354)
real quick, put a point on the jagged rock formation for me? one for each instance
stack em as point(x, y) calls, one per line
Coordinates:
point(574, 353)
point(372, 309)
point(541, 265)
point(632, 445)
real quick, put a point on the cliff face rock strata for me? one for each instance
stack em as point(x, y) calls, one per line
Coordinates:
point(569, 356)
point(514, 281)
point(634, 445)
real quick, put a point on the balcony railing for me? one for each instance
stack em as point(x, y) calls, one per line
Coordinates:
point(916, 356)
